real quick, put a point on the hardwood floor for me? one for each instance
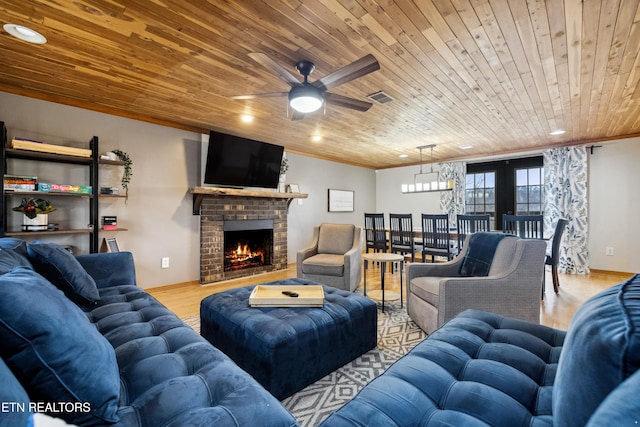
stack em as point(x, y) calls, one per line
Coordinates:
point(555, 310)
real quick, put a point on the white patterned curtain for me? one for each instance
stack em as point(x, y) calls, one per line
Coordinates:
point(565, 189)
point(452, 202)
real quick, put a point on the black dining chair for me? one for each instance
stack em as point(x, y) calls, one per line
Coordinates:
point(375, 233)
point(436, 236)
point(401, 235)
point(525, 226)
point(469, 224)
point(552, 259)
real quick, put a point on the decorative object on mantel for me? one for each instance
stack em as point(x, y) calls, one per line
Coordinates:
point(127, 173)
point(427, 181)
point(36, 214)
point(284, 167)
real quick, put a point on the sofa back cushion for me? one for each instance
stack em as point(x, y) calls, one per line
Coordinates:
point(505, 254)
point(54, 351)
point(62, 269)
point(601, 350)
point(335, 238)
point(10, 259)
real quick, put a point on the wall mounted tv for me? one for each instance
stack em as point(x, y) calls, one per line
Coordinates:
point(233, 161)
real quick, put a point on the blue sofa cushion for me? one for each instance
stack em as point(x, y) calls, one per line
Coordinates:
point(479, 369)
point(170, 375)
point(20, 246)
point(10, 259)
point(14, 400)
point(602, 350)
point(53, 349)
point(63, 270)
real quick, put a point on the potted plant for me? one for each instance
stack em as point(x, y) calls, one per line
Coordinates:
point(36, 211)
point(128, 171)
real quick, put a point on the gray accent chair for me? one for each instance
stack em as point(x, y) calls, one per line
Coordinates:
point(436, 292)
point(334, 257)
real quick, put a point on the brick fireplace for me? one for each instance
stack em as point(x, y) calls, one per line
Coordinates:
point(238, 209)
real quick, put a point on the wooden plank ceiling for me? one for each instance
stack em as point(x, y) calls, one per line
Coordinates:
point(497, 75)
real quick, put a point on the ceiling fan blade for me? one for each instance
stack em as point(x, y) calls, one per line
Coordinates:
point(261, 95)
point(346, 102)
point(275, 68)
point(357, 69)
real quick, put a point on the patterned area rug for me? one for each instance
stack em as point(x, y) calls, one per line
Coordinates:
point(397, 334)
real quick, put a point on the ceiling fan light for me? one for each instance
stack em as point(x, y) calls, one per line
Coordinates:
point(305, 99)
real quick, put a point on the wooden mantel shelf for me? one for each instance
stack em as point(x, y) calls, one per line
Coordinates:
point(200, 192)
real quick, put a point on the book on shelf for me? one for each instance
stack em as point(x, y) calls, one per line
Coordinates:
point(109, 222)
point(64, 188)
point(43, 147)
point(20, 182)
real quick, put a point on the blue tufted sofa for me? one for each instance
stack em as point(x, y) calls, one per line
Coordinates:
point(483, 369)
point(81, 342)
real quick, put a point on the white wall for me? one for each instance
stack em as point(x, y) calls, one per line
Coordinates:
point(614, 206)
point(158, 214)
point(315, 177)
point(390, 199)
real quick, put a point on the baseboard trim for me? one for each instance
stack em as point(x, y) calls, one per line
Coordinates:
point(172, 286)
point(614, 273)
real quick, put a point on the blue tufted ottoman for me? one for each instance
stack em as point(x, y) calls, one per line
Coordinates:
point(286, 349)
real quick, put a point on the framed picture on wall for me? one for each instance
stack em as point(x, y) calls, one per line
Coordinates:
point(341, 200)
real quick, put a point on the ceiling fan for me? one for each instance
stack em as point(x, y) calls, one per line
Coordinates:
point(305, 97)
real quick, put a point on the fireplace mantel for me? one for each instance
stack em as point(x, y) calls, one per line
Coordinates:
point(200, 192)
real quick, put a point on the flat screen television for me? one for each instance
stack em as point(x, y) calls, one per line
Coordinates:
point(233, 161)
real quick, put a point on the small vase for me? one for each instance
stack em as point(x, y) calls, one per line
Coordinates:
point(40, 219)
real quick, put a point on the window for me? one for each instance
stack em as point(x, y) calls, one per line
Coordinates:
point(505, 187)
point(480, 194)
point(529, 188)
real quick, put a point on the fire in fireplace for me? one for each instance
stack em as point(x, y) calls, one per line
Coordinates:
point(247, 244)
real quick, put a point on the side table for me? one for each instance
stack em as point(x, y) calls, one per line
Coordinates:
point(383, 258)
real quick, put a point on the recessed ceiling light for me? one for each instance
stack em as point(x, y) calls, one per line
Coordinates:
point(246, 118)
point(466, 146)
point(557, 132)
point(24, 33)
point(403, 156)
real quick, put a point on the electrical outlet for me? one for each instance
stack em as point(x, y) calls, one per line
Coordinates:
point(165, 262)
point(608, 251)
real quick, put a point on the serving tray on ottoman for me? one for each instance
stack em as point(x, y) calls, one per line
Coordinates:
point(288, 348)
point(274, 296)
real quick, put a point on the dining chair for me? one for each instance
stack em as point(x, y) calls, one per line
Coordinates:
point(525, 226)
point(375, 233)
point(401, 235)
point(436, 236)
point(469, 224)
point(552, 259)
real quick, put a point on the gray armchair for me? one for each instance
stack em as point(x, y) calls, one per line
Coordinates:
point(437, 292)
point(334, 257)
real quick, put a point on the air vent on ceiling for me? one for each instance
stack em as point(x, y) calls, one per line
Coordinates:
point(380, 97)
